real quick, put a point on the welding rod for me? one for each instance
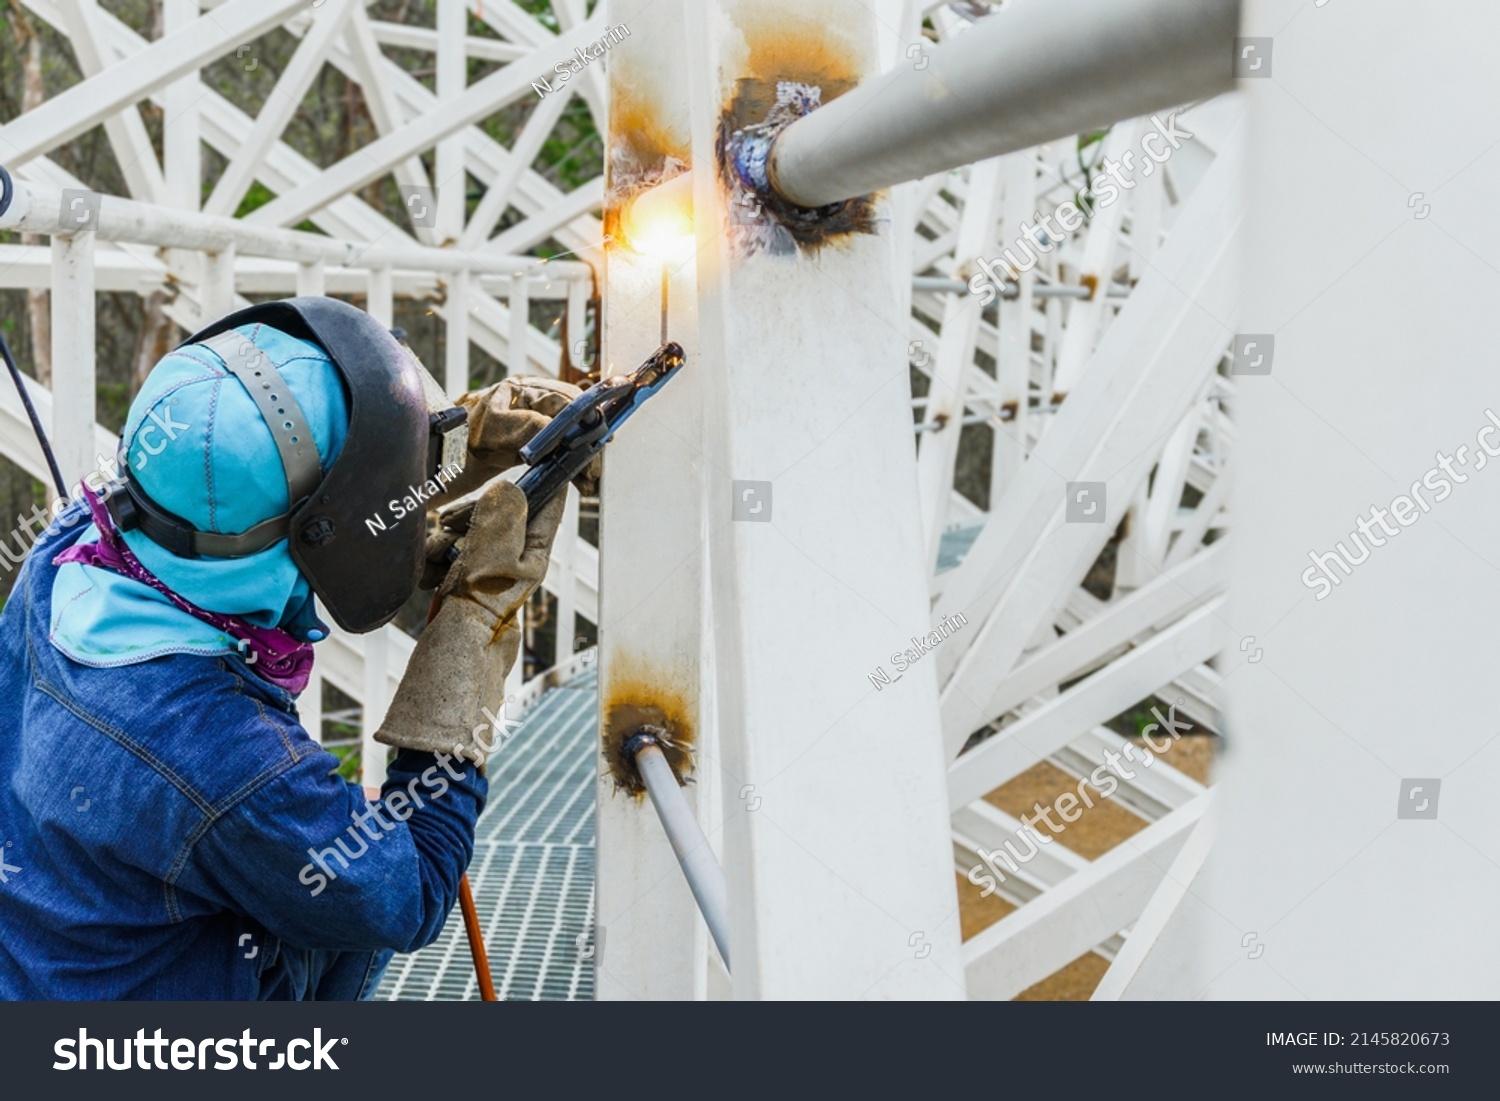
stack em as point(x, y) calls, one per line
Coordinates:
point(704, 876)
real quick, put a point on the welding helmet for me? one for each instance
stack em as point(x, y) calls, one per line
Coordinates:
point(345, 525)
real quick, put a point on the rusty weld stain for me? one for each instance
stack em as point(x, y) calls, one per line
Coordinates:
point(643, 151)
point(631, 703)
point(790, 69)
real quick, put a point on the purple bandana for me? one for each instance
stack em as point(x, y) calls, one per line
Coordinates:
point(274, 654)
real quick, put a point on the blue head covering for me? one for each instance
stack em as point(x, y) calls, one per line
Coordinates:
point(198, 445)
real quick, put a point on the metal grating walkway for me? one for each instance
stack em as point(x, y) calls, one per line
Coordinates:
point(533, 868)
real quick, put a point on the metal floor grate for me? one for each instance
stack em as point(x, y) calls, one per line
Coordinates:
point(533, 868)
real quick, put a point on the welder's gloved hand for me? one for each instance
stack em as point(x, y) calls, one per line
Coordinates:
point(452, 525)
point(454, 687)
point(502, 419)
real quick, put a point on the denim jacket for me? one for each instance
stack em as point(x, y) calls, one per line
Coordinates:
point(168, 830)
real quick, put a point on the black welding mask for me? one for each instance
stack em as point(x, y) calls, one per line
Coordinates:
point(361, 555)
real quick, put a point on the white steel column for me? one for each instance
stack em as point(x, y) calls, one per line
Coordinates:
point(73, 354)
point(182, 153)
point(380, 303)
point(312, 278)
point(652, 643)
point(839, 862)
point(452, 78)
point(216, 292)
point(456, 334)
point(1367, 516)
point(518, 304)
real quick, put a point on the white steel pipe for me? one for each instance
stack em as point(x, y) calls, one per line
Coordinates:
point(29, 267)
point(938, 285)
point(34, 208)
point(1037, 71)
point(705, 877)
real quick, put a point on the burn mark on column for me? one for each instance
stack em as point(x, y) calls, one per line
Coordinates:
point(642, 153)
point(630, 704)
point(789, 73)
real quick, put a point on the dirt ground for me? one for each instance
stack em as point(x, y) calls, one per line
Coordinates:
point(1100, 828)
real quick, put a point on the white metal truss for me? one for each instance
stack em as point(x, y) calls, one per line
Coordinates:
point(1098, 364)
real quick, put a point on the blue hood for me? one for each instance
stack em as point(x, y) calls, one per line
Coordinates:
point(197, 444)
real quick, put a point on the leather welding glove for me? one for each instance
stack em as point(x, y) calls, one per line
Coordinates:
point(454, 687)
point(502, 420)
point(452, 525)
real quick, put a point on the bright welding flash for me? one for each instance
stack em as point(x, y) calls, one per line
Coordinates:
point(659, 223)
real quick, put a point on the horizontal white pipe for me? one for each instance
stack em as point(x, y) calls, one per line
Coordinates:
point(938, 285)
point(29, 267)
point(35, 208)
point(1037, 71)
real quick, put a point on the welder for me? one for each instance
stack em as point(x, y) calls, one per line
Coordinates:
point(168, 827)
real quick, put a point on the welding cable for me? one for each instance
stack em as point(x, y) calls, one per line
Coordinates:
point(472, 928)
point(36, 422)
point(476, 941)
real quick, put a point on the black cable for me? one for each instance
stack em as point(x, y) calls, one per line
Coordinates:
point(36, 422)
point(7, 195)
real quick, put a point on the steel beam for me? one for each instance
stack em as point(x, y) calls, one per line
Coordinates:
point(39, 209)
point(836, 845)
point(653, 653)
